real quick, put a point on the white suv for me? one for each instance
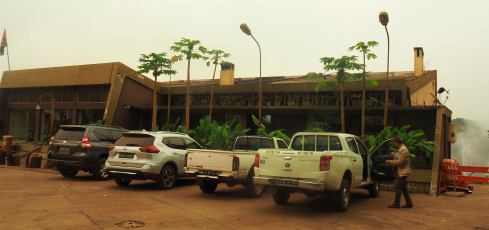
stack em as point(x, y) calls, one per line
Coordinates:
point(142, 155)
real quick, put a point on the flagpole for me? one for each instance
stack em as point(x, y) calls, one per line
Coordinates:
point(8, 57)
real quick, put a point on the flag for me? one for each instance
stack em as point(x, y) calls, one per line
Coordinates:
point(4, 43)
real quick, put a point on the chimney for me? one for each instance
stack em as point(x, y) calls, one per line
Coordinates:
point(418, 61)
point(227, 73)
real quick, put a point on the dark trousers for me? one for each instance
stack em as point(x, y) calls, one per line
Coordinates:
point(401, 186)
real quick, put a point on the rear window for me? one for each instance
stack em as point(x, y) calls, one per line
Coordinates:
point(70, 133)
point(135, 139)
point(253, 143)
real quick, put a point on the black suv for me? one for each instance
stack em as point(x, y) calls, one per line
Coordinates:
point(82, 147)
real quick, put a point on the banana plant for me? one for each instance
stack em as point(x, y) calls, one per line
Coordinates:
point(262, 131)
point(414, 140)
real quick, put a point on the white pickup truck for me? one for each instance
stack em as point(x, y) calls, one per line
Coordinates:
point(321, 163)
point(212, 167)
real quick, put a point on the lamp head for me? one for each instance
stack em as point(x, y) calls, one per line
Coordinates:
point(245, 29)
point(384, 18)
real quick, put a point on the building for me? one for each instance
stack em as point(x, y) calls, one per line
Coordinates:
point(114, 94)
point(109, 93)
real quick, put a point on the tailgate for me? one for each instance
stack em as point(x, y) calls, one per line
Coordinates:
point(289, 164)
point(212, 160)
point(127, 156)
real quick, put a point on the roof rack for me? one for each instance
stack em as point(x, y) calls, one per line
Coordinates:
point(108, 126)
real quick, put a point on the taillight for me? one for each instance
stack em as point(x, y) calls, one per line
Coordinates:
point(325, 162)
point(85, 143)
point(235, 163)
point(257, 160)
point(111, 147)
point(149, 149)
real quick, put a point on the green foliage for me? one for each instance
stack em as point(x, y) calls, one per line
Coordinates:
point(262, 131)
point(318, 126)
point(415, 140)
point(174, 127)
point(340, 66)
point(44, 140)
point(191, 49)
point(157, 64)
point(217, 136)
point(216, 56)
point(364, 49)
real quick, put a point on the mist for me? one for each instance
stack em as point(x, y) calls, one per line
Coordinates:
point(472, 145)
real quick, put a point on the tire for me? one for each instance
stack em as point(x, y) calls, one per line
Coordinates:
point(167, 178)
point(99, 173)
point(208, 186)
point(68, 172)
point(374, 189)
point(343, 195)
point(255, 190)
point(122, 181)
point(281, 196)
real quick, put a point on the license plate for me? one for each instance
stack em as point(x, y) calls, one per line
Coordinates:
point(284, 182)
point(126, 155)
point(64, 149)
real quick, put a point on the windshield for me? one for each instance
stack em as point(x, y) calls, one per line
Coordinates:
point(135, 139)
point(70, 134)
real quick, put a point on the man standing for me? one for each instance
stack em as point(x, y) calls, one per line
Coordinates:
point(402, 167)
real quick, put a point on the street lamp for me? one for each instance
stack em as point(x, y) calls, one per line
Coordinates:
point(247, 31)
point(384, 20)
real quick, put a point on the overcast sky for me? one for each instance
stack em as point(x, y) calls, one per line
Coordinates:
point(294, 34)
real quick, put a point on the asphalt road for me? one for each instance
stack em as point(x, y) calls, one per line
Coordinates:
point(43, 199)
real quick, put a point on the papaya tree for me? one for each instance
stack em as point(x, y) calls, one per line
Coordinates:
point(340, 66)
point(215, 57)
point(367, 54)
point(190, 49)
point(156, 64)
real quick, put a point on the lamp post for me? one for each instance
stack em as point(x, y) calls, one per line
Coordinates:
point(247, 31)
point(384, 20)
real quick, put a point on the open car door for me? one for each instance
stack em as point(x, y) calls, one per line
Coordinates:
point(380, 170)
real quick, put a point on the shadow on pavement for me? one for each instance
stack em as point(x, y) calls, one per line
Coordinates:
point(149, 185)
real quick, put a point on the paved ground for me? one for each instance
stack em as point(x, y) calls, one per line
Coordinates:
point(45, 200)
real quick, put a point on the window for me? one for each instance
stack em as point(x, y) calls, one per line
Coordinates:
point(253, 143)
point(322, 143)
point(335, 144)
point(281, 144)
point(70, 134)
point(174, 143)
point(297, 143)
point(361, 147)
point(309, 143)
point(191, 144)
point(352, 145)
point(135, 139)
point(115, 134)
point(102, 134)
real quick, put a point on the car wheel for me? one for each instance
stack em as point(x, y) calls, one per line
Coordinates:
point(68, 172)
point(100, 173)
point(122, 181)
point(281, 196)
point(208, 186)
point(167, 178)
point(255, 190)
point(374, 189)
point(343, 195)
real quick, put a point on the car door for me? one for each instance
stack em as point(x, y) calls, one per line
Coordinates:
point(380, 170)
point(356, 160)
point(364, 154)
point(178, 149)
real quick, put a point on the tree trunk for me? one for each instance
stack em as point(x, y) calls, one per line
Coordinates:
point(211, 101)
point(342, 108)
point(168, 109)
point(362, 133)
point(187, 99)
point(153, 118)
